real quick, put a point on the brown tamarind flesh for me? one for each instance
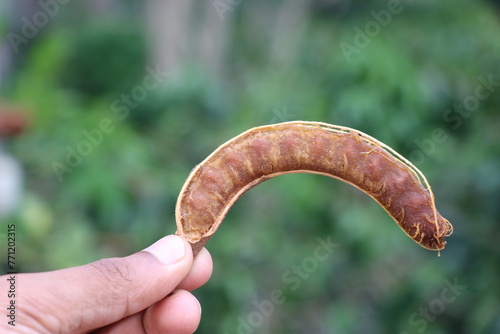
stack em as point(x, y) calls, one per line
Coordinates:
point(308, 147)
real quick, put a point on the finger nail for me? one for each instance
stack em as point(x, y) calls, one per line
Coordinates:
point(168, 250)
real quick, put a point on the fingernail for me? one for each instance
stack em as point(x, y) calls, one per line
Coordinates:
point(168, 250)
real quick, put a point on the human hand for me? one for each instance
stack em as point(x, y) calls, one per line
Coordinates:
point(147, 292)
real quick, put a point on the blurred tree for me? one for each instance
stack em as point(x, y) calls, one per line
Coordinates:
point(182, 33)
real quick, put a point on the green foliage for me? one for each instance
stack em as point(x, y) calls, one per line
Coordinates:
point(104, 59)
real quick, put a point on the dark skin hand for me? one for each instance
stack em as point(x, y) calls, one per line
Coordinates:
point(146, 292)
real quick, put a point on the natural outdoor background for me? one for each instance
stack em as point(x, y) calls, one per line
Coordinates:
point(422, 76)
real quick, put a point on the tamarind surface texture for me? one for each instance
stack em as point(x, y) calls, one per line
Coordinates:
point(308, 147)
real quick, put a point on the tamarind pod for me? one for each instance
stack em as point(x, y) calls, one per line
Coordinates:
point(347, 154)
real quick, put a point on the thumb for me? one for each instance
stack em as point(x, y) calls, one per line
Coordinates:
point(94, 295)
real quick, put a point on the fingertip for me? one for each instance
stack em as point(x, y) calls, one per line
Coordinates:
point(170, 249)
point(178, 313)
point(204, 264)
point(200, 272)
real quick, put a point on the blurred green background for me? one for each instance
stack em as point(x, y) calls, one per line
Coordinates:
point(158, 85)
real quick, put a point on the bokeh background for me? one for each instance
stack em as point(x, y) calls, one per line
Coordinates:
point(123, 98)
